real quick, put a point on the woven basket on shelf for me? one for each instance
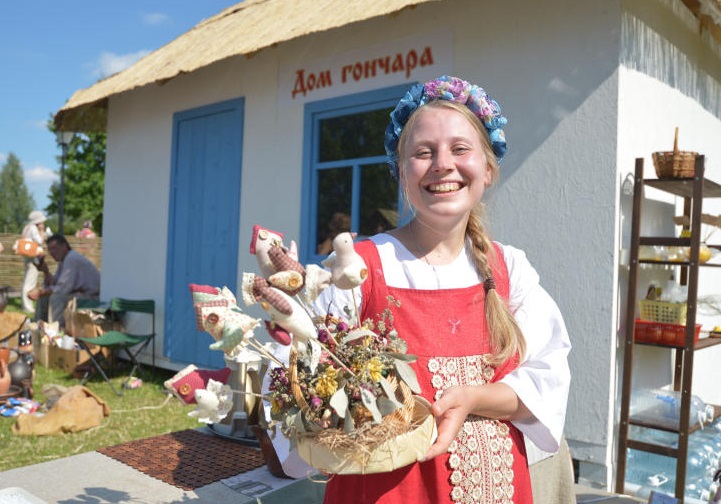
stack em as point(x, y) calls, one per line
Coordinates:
point(335, 452)
point(676, 163)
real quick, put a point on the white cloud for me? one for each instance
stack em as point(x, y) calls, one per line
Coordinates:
point(3, 157)
point(155, 18)
point(40, 174)
point(111, 63)
point(41, 124)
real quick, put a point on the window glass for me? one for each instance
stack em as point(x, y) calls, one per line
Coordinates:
point(348, 184)
point(353, 136)
point(378, 200)
point(334, 205)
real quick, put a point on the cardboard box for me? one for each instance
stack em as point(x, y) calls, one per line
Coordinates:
point(79, 325)
point(68, 360)
point(40, 350)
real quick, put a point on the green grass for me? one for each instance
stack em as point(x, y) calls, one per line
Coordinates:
point(143, 412)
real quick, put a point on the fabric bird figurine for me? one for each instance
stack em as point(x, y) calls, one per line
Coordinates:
point(207, 295)
point(189, 379)
point(229, 326)
point(278, 264)
point(263, 240)
point(348, 269)
point(289, 274)
point(217, 313)
point(212, 403)
point(284, 311)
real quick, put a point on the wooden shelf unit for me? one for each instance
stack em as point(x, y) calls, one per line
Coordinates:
point(693, 190)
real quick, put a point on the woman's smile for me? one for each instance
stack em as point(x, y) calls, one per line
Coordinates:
point(444, 187)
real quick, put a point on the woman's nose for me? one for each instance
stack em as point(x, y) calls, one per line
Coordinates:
point(443, 161)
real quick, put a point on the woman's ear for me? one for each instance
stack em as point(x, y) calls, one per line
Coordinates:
point(488, 177)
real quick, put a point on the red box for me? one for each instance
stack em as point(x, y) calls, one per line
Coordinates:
point(662, 333)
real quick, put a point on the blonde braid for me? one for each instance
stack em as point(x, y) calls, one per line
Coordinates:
point(506, 337)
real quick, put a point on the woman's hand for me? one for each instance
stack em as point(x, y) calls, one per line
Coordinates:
point(492, 400)
point(450, 411)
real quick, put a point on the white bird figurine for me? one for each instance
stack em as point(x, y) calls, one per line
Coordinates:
point(348, 269)
point(212, 403)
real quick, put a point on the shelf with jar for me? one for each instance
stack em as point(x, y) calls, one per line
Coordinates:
point(668, 322)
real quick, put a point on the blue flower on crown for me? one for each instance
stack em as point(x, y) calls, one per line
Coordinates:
point(451, 89)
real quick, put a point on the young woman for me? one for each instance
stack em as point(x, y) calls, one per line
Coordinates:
point(491, 344)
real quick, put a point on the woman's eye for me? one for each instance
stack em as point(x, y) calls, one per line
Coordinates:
point(423, 154)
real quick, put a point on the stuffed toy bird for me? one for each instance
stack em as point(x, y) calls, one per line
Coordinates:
point(230, 328)
point(278, 264)
point(348, 270)
point(218, 314)
point(189, 379)
point(212, 403)
point(261, 244)
point(284, 311)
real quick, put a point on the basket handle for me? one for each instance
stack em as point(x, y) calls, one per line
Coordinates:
point(675, 141)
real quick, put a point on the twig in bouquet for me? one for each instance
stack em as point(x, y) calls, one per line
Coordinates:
point(335, 358)
point(355, 307)
point(304, 304)
point(333, 355)
point(258, 347)
point(254, 394)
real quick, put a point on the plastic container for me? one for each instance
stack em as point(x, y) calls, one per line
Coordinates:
point(655, 483)
point(663, 311)
point(663, 407)
point(663, 334)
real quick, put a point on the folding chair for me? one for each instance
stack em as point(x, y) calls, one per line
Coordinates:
point(119, 341)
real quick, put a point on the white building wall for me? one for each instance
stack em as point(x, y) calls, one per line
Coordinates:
point(557, 197)
point(576, 123)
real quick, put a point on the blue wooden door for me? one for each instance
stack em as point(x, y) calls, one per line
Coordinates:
point(203, 222)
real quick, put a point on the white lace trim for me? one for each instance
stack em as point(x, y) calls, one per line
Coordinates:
point(481, 458)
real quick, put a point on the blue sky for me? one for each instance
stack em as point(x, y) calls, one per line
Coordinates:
point(51, 48)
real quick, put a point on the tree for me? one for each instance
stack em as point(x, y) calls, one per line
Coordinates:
point(84, 182)
point(16, 202)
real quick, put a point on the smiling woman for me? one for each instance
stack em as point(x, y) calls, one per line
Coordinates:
point(472, 310)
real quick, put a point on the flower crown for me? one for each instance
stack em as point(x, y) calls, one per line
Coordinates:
point(451, 89)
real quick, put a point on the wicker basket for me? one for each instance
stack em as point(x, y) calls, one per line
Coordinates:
point(676, 163)
point(335, 452)
point(394, 453)
point(663, 311)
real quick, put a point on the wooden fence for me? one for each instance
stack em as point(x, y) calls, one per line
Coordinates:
point(12, 266)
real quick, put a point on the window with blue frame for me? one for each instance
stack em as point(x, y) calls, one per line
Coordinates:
point(347, 183)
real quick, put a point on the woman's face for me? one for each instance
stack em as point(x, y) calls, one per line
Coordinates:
point(444, 169)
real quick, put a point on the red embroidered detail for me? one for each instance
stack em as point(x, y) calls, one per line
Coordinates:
point(481, 459)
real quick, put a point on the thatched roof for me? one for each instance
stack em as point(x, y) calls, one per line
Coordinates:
point(244, 29)
point(249, 27)
point(708, 13)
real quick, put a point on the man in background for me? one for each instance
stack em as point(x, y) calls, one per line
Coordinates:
point(75, 277)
